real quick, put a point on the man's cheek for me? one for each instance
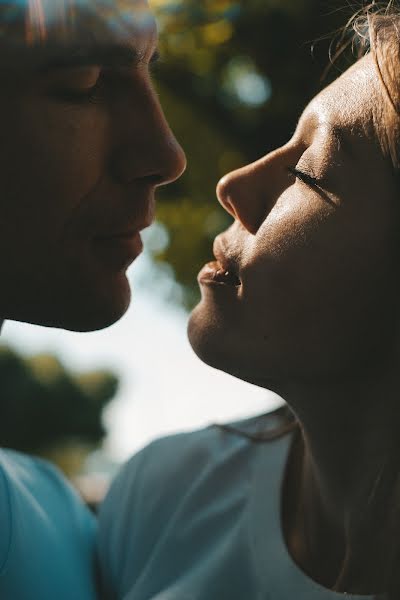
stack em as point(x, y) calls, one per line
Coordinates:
point(63, 174)
point(71, 141)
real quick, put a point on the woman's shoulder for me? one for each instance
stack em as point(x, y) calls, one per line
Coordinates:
point(174, 479)
point(174, 466)
point(183, 455)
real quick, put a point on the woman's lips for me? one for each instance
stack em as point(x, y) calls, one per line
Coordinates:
point(214, 273)
point(119, 250)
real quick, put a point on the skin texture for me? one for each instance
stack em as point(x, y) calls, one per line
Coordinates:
point(83, 148)
point(316, 317)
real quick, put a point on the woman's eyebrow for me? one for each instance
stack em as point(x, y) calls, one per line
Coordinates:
point(341, 138)
point(107, 55)
point(312, 125)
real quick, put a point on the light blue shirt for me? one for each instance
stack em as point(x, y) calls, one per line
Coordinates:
point(197, 517)
point(47, 538)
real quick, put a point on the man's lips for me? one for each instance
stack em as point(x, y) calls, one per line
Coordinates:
point(124, 228)
point(120, 249)
point(122, 235)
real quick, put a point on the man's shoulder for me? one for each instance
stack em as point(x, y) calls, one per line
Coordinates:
point(23, 467)
point(33, 476)
point(20, 476)
point(30, 485)
point(41, 517)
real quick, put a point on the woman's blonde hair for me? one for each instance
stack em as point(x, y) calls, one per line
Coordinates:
point(375, 29)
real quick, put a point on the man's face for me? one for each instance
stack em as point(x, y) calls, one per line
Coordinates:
point(83, 145)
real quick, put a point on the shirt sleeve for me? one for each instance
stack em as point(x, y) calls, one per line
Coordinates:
point(43, 522)
point(69, 500)
point(5, 520)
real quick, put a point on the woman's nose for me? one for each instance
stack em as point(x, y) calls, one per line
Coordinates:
point(249, 193)
point(240, 194)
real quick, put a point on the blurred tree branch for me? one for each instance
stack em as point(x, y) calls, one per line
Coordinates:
point(48, 411)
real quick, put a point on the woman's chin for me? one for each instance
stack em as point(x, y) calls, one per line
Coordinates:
point(210, 340)
point(204, 337)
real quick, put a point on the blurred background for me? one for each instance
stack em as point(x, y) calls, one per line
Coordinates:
point(233, 80)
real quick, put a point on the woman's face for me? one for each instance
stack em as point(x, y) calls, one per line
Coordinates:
point(313, 245)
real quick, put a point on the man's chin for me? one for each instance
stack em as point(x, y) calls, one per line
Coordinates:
point(100, 314)
point(88, 310)
point(96, 322)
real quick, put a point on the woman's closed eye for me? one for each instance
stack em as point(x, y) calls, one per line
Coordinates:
point(303, 176)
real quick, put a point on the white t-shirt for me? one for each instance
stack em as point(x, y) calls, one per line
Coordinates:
point(197, 517)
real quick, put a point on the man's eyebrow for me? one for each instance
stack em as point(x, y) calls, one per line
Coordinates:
point(107, 55)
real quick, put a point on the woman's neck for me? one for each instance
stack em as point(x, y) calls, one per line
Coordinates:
point(350, 431)
point(349, 450)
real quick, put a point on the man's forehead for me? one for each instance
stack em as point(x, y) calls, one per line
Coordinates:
point(40, 26)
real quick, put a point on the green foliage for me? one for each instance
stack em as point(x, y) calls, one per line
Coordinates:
point(45, 408)
point(219, 58)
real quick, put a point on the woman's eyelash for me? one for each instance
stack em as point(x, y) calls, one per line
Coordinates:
point(305, 177)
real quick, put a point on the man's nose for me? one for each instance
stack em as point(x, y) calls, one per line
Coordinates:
point(147, 148)
point(249, 193)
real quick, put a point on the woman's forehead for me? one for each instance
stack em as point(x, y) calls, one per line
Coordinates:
point(350, 102)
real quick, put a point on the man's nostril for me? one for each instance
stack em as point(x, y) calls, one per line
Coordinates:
point(154, 179)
